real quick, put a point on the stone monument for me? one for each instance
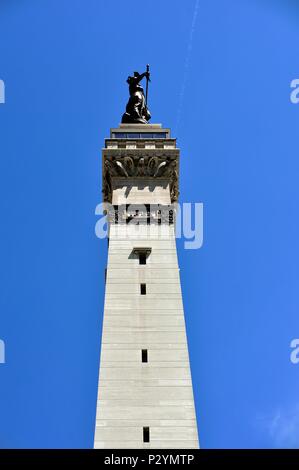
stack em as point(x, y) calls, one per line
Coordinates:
point(145, 396)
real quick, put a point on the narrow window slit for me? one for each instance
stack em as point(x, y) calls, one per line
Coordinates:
point(144, 357)
point(143, 289)
point(146, 434)
point(142, 257)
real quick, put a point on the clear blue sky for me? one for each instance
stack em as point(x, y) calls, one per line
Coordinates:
point(223, 87)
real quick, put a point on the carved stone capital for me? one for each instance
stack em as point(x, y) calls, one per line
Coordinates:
point(154, 165)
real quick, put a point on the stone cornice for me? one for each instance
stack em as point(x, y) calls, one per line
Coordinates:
point(154, 152)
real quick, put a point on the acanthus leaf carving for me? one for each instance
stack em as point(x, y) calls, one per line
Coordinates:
point(140, 166)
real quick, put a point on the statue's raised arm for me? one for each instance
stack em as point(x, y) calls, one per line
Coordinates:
point(136, 109)
point(142, 75)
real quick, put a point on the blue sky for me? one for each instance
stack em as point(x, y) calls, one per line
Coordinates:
point(221, 76)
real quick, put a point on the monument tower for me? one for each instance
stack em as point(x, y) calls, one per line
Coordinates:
point(145, 397)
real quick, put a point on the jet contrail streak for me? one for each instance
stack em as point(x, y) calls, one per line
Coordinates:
point(186, 66)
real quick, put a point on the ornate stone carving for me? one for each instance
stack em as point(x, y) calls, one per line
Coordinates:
point(162, 166)
point(141, 214)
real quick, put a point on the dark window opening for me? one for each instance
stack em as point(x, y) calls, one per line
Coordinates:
point(143, 289)
point(141, 254)
point(142, 257)
point(137, 135)
point(119, 135)
point(144, 355)
point(146, 434)
point(133, 135)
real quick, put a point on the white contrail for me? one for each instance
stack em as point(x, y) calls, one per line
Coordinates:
point(187, 65)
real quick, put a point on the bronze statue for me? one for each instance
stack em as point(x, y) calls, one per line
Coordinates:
point(136, 109)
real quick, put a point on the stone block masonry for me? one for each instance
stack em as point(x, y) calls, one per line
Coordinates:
point(145, 396)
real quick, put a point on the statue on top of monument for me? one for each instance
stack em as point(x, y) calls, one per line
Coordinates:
point(136, 109)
